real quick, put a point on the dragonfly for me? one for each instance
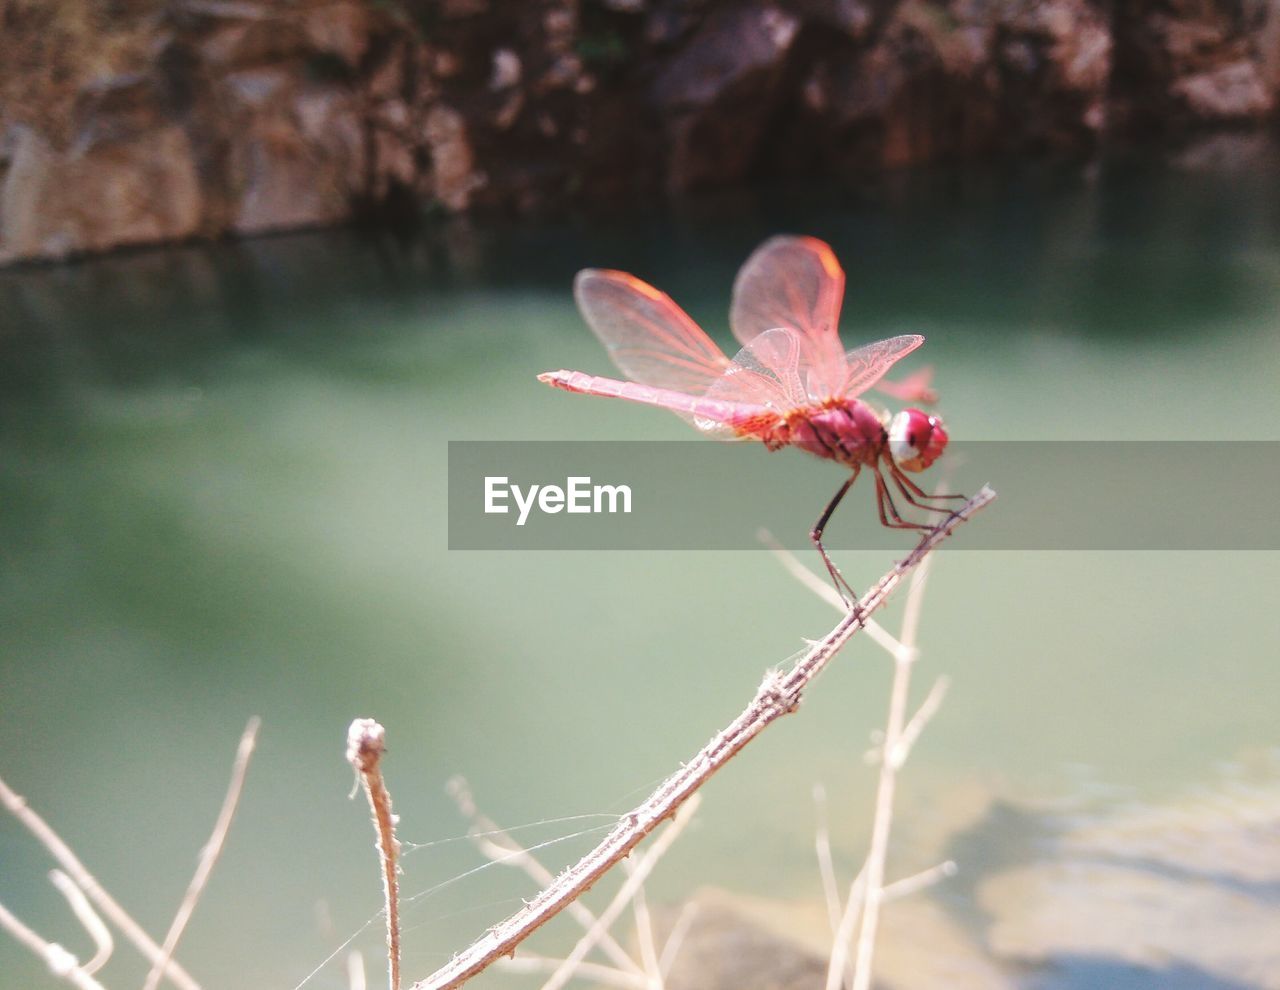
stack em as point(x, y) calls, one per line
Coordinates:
point(791, 385)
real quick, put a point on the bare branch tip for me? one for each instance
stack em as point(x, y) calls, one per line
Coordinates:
point(366, 742)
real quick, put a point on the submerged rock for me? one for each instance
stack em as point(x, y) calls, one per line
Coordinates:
point(738, 942)
point(1185, 894)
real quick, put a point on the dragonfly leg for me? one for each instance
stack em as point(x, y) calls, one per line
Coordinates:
point(906, 487)
point(889, 515)
point(846, 592)
point(909, 487)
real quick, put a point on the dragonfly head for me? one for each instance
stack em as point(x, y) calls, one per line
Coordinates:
point(916, 439)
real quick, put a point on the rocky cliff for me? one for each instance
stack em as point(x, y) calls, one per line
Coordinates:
point(135, 121)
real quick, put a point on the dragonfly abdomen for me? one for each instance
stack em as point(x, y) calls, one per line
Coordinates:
point(709, 415)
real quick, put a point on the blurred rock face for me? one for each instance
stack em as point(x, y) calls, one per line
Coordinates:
point(160, 120)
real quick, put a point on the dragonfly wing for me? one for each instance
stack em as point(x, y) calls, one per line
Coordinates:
point(795, 282)
point(915, 387)
point(651, 339)
point(765, 373)
point(868, 364)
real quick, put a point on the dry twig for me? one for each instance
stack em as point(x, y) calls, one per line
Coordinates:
point(778, 695)
point(86, 881)
point(826, 864)
point(103, 943)
point(61, 963)
point(892, 753)
point(355, 970)
point(366, 742)
point(500, 846)
point(625, 894)
point(209, 854)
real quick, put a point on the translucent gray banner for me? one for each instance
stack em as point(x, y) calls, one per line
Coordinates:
point(702, 495)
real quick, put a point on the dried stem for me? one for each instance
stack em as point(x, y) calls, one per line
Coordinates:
point(919, 881)
point(485, 832)
point(60, 962)
point(928, 708)
point(826, 864)
point(839, 961)
point(103, 943)
point(624, 895)
point(366, 742)
point(105, 903)
point(644, 930)
point(209, 854)
point(355, 970)
point(675, 938)
point(903, 661)
point(778, 695)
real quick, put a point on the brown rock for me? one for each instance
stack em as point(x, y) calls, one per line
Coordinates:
point(260, 39)
point(1189, 65)
point(1227, 94)
point(295, 156)
point(1267, 39)
point(106, 194)
point(115, 108)
point(394, 164)
point(453, 162)
point(718, 93)
point(387, 79)
point(258, 89)
point(733, 48)
point(340, 29)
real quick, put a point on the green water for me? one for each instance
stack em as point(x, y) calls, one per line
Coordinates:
point(222, 493)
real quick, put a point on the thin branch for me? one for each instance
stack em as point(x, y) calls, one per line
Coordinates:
point(671, 948)
point(826, 864)
point(644, 931)
point(624, 894)
point(921, 880)
point(366, 743)
point(885, 789)
point(839, 961)
point(209, 854)
point(778, 695)
point(355, 970)
point(911, 612)
point(86, 881)
point(499, 845)
point(60, 962)
point(103, 943)
point(924, 714)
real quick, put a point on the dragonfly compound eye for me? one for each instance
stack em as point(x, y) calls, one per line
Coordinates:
point(916, 439)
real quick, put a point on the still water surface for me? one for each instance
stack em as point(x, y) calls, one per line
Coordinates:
point(222, 493)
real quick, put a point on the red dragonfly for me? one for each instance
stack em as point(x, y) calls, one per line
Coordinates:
point(792, 384)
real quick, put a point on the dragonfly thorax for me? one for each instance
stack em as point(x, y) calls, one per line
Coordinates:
point(847, 431)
